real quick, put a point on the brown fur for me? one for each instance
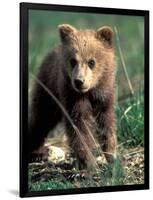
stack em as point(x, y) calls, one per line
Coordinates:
point(93, 105)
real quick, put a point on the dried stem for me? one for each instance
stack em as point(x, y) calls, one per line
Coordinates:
point(131, 154)
point(123, 62)
point(92, 137)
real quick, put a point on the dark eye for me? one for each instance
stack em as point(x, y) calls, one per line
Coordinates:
point(91, 63)
point(73, 62)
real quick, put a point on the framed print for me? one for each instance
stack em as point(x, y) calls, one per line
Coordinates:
point(84, 99)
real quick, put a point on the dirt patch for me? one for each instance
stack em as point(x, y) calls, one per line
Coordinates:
point(133, 166)
point(62, 165)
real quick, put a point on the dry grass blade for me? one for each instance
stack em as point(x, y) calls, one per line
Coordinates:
point(80, 136)
point(126, 111)
point(123, 62)
point(131, 154)
point(92, 137)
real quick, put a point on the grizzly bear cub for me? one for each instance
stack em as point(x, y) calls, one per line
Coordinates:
point(80, 73)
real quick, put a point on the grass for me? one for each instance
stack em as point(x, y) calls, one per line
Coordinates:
point(49, 185)
point(130, 120)
point(43, 36)
point(109, 175)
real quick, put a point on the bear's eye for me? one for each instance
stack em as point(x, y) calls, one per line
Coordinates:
point(91, 63)
point(73, 62)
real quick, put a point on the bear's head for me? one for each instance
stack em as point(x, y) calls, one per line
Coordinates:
point(88, 56)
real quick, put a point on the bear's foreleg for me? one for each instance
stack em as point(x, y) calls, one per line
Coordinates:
point(107, 134)
point(43, 116)
point(81, 140)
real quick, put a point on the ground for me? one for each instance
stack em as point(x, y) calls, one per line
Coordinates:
point(60, 171)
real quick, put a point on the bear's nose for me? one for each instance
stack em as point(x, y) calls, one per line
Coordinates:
point(78, 83)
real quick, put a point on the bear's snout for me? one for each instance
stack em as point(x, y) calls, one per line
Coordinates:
point(78, 83)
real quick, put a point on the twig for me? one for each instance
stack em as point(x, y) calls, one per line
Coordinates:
point(92, 137)
point(125, 112)
point(123, 62)
point(128, 155)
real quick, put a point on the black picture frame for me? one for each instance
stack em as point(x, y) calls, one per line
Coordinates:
point(24, 8)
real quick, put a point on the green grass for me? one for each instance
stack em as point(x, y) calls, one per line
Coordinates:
point(130, 120)
point(50, 185)
point(43, 36)
point(109, 175)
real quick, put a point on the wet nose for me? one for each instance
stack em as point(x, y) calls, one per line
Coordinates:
point(78, 83)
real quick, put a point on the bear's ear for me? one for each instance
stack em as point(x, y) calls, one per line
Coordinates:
point(67, 32)
point(105, 34)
